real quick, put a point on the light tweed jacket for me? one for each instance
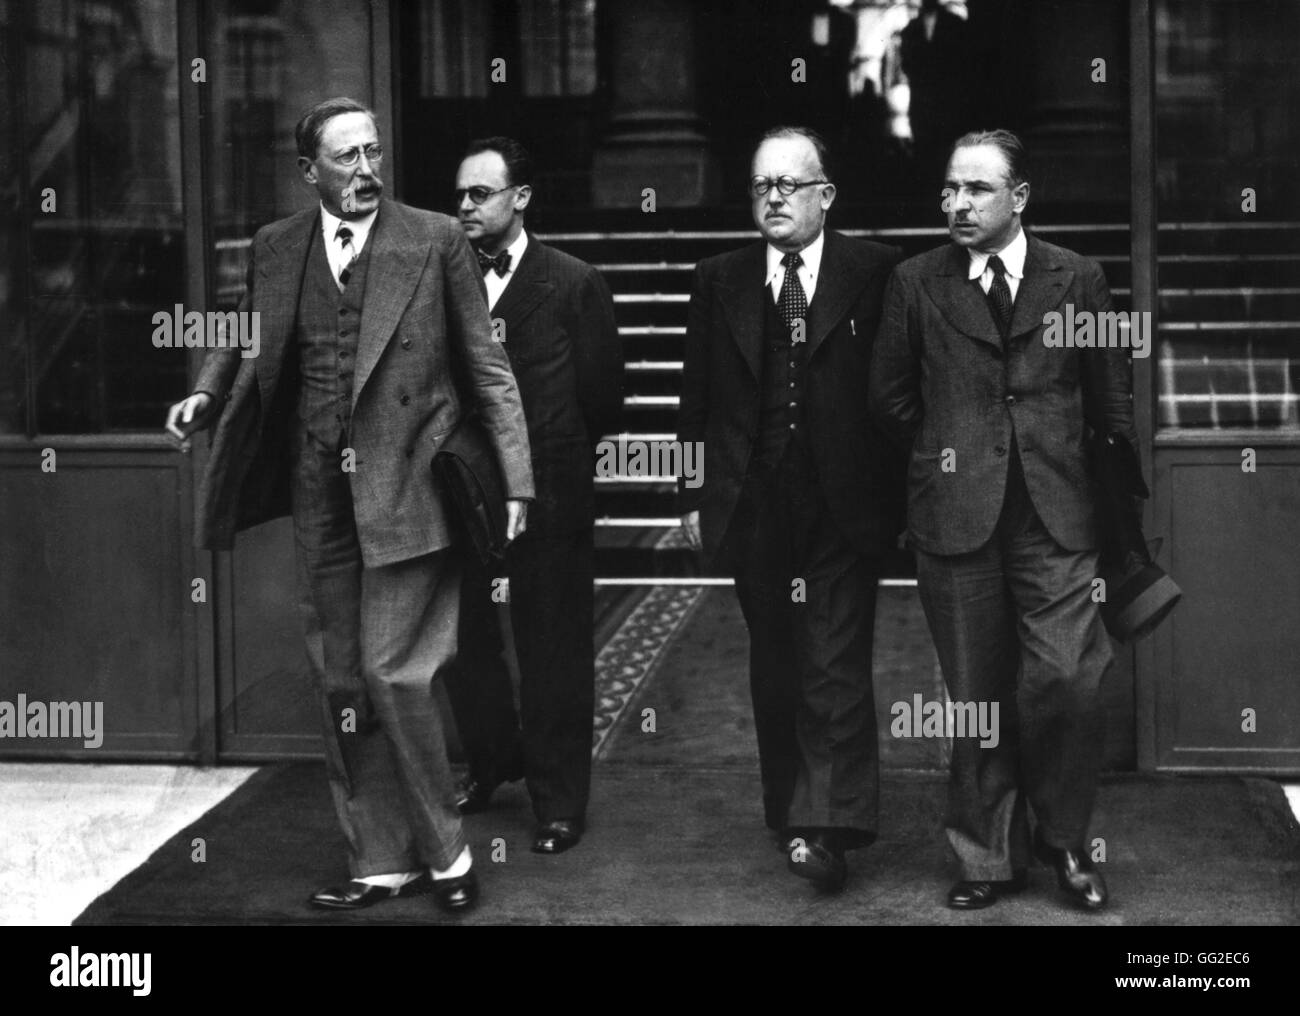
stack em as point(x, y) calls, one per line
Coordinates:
point(424, 320)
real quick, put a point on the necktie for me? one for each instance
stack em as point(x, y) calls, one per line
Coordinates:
point(999, 296)
point(344, 236)
point(500, 264)
point(792, 304)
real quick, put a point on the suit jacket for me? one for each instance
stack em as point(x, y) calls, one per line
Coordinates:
point(567, 359)
point(859, 471)
point(943, 379)
point(423, 312)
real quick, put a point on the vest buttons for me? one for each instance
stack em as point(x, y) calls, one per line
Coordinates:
point(1000, 449)
point(1011, 400)
point(406, 343)
point(405, 400)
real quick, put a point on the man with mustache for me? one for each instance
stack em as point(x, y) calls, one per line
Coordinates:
point(801, 496)
point(1001, 517)
point(368, 308)
point(556, 321)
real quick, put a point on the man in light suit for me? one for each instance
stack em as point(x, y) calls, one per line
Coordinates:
point(1000, 513)
point(556, 320)
point(367, 306)
point(801, 496)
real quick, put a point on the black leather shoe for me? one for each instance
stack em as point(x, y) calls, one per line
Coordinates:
point(978, 894)
point(458, 893)
point(1076, 876)
point(557, 837)
point(820, 859)
point(359, 895)
point(784, 840)
point(474, 794)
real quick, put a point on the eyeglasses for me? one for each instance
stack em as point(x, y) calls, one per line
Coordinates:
point(785, 185)
point(478, 194)
point(373, 153)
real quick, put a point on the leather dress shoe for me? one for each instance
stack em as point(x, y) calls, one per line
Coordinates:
point(1076, 876)
point(458, 893)
point(820, 859)
point(474, 794)
point(557, 837)
point(976, 894)
point(359, 895)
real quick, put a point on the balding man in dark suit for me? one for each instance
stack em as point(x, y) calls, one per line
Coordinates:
point(801, 495)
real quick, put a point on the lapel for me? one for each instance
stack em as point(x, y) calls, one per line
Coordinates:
point(836, 290)
point(1041, 289)
point(960, 299)
point(397, 257)
point(529, 285)
point(741, 292)
point(277, 285)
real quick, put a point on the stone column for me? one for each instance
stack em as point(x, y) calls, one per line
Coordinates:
point(1076, 128)
point(654, 138)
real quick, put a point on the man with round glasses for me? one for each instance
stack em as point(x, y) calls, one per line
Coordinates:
point(555, 318)
point(368, 307)
point(802, 496)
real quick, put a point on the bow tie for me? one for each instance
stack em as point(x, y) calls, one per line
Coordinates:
point(500, 264)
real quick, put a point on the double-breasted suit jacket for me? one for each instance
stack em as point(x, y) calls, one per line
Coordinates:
point(423, 312)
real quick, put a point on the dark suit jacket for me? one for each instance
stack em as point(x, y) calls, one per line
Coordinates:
point(944, 379)
point(567, 358)
point(423, 309)
point(859, 471)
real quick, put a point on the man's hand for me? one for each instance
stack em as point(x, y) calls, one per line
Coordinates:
point(187, 416)
point(691, 526)
point(516, 519)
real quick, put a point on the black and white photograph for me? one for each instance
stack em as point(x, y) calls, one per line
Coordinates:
point(651, 463)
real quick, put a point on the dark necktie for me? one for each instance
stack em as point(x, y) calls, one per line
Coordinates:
point(344, 236)
point(499, 264)
point(792, 304)
point(999, 296)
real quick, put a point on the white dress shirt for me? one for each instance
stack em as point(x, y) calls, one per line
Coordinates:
point(1013, 260)
point(334, 250)
point(806, 272)
point(496, 284)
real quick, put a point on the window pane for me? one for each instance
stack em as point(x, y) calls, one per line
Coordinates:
point(96, 138)
point(274, 59)
point(559, 46)
point(1227, 98)
point(457, 35)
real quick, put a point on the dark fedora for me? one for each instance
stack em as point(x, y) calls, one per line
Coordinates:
point(1138, 594)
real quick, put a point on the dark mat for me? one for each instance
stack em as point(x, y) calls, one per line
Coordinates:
point(699, 689)
point(677, 845)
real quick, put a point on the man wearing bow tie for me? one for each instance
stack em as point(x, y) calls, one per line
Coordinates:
point(801, 495)
point(555, 317)
point(368, 309)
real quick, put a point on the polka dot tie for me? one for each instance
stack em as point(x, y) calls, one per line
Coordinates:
point(793, 302)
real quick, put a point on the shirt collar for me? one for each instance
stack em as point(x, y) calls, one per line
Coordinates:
point(1012, 255)
point(812, 261)
point(517, 249)
point(360, 227)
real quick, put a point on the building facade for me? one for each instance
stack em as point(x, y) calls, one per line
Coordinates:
point(142, 143)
